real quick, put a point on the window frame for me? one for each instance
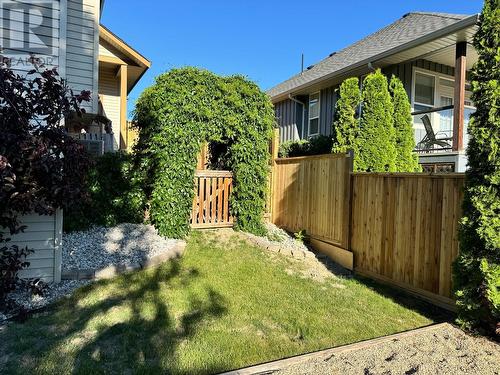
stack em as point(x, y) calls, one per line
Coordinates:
point(309, 118)
point(435, 77)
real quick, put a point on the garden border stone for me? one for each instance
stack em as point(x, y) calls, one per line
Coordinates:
point(115, 270)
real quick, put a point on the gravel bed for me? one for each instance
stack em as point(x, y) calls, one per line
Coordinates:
point(445, 350)
point(100, 247)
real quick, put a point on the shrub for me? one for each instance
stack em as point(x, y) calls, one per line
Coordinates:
point(41, 167)
point(477, 269)
point(345, 123)
point(376, 138)
point(115, 194)
point(317, 145)
point(406, 159)
point(184, 108)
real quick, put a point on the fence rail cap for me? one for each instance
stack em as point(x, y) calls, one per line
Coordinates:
point(310, 157)
point(417, 175)
point(212, 173)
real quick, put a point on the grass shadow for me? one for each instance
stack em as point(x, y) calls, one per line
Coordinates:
point(132, 331)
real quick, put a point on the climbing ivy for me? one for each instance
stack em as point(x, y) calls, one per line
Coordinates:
point(184, 108)
point(406, 158)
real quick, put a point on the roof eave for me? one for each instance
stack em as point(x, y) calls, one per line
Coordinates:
point(110, 37)
point(462, 24)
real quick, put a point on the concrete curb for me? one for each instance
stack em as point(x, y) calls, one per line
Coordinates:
point(115, 270)
point(274, 366)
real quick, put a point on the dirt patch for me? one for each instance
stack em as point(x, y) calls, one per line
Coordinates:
point(444, 350)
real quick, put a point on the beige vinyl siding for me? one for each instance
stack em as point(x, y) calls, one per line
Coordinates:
point(109, 89)
point(104, 51)
point(82, 35)
point(44, 235)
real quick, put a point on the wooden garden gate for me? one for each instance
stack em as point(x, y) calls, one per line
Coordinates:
point(211, 199)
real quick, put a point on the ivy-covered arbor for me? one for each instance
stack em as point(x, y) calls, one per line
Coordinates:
point(185, 108)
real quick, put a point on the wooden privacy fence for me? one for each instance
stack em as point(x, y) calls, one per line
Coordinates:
point(312, 193)
point(211, 199)
point(404, 229)
point(398, 228)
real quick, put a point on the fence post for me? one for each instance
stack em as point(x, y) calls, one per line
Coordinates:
point(350, 157)
point(275, 143)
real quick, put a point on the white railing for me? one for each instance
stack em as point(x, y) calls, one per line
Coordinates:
point(96, 143)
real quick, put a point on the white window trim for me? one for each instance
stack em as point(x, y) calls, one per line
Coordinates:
point(309, 118)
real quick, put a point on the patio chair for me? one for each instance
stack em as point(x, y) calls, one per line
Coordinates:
point(431, 139)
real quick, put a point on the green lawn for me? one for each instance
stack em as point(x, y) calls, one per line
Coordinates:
point(224, 305)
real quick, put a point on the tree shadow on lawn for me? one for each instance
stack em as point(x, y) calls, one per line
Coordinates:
point(145, 340)
point(409, 301)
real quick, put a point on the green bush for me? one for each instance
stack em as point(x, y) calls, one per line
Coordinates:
point(477, 269)
point(115, 194)
point(345, 123)
point(376, 138)
point(184, 108)
point(317, 145)
point(406, 158)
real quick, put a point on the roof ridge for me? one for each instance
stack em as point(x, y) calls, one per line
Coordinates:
point(454, 16)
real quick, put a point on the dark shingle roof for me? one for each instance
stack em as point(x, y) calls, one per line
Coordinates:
point(408, 28)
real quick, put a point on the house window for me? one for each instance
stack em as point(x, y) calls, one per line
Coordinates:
point(313, 114)
point(424, 89)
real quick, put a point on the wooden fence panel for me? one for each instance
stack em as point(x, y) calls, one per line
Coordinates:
point(404, 229)
point(399, 228)
point(211, 200)
point(312, 193)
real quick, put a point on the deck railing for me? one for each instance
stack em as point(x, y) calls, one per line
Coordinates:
point(96, 143)
point(433, 129)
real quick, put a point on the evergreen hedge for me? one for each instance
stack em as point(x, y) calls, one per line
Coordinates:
point(406, 159)
point(376, 138)
point(115, 192)
point(345, 122)
point(477, 269)
point(184, 108)
point(317, 145)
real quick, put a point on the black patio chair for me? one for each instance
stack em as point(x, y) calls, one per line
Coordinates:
point(431, 139)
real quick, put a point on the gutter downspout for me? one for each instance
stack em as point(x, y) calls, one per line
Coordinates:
point(290, 96)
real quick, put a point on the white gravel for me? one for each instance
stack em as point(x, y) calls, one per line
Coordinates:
point(53, 293)
point(100, 247)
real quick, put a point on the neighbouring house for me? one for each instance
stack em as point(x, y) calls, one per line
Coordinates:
point(67, 34)
point(432, 53)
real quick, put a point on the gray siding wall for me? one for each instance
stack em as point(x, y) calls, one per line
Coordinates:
point(69, 27)
point(82, 48)
point(286, 116)
point(44, 235)
point(328, 99)
point(404, 71)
